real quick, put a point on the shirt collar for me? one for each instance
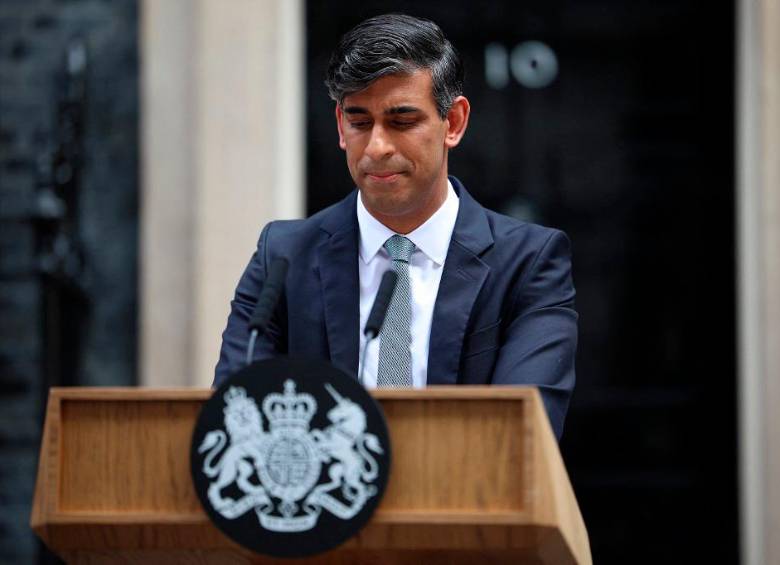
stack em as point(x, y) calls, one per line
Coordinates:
point(432, 237)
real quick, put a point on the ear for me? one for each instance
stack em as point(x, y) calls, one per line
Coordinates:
point(340, 126)
point(457, 120)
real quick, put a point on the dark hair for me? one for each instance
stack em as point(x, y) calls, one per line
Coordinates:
point(395, 44)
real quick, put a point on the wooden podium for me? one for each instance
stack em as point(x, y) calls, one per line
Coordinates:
point(476, 478)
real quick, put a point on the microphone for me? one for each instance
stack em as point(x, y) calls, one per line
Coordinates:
point(381, 302)
point(378, 311)
point(266, 302)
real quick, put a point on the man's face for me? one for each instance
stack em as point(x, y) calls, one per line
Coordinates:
point(396, 147)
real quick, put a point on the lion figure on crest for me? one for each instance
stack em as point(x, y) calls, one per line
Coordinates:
point(244, 425)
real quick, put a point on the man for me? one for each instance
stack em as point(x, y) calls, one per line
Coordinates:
point(481, 298)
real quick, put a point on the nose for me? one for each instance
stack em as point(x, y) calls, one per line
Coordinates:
point(379, 145)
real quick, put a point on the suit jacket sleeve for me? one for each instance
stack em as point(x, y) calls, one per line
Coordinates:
point(235, 338)
point(541, 337)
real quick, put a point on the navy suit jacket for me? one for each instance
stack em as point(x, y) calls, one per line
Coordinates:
point(504, 313)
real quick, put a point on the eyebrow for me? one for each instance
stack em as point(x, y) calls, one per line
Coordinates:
point(390, 111)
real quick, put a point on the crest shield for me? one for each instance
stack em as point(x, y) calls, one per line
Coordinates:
point(290, 458)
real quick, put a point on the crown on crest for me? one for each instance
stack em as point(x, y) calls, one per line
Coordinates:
point(289, 409)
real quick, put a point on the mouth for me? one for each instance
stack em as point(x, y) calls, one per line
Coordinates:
point(383, 176)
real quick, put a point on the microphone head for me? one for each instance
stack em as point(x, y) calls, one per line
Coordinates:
point(269, 295)
point(277, 272)
point(378, 311)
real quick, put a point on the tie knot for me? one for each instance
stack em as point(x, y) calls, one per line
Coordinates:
point(399, 248)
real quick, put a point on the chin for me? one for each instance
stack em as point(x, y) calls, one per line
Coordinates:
point(390, 210)
point(387, 201)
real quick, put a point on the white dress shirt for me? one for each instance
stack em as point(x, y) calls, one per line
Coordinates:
point(431, 240)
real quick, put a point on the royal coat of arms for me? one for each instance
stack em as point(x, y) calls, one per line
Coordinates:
point(270, 460)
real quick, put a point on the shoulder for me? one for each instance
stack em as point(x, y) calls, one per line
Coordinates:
point(521, 254)
point(292, 237)
point(533, 260)
point(507, 229)
point(511, 238)
point(490, 234)
point(532, 253)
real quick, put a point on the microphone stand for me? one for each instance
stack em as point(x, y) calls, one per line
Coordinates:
point(377, 316)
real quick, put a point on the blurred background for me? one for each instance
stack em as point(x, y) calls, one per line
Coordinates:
point(144, 144)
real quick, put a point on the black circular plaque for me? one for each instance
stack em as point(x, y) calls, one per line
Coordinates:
point(290, 458)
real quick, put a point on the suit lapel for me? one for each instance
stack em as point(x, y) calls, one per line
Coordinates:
point(461, 282)
point(337, 263)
